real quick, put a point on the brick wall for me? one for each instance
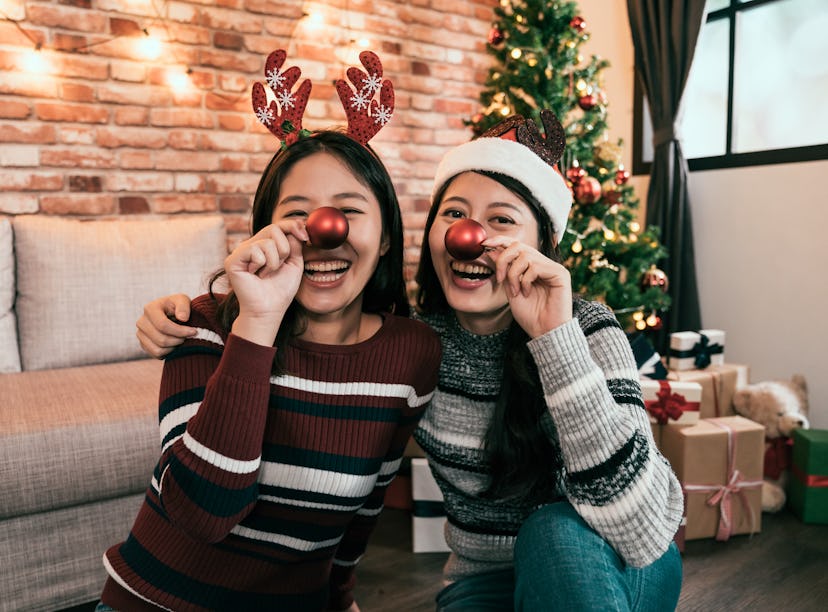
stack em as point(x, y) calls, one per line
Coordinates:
point(102, 132)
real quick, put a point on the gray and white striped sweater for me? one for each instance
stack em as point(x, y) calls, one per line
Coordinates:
point(608, 466)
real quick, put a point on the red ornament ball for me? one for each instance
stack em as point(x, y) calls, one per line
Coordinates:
point(622, 175)
point(327, 227)
point(655, 277)
point(588, 101)
point(587, 190)
point(464, 239)
point(575, 173)
point(577, 23)
point(495, 36)
point(612, 196)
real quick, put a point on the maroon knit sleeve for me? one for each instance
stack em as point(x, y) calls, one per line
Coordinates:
point(220, 385)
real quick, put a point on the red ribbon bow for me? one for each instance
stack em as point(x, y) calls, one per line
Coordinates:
point(668, 405)
point(735, 484)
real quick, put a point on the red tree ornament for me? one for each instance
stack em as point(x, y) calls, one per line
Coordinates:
point(575, 173)
point(588, 101)
point(495, 36)
point(587, 190)
point(577, 23)
point(622, 175)
point(327, 227)
point(655, 277)
point(464, 239)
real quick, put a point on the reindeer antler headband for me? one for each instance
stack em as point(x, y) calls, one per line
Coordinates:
point(283, 116)
point(516, 148)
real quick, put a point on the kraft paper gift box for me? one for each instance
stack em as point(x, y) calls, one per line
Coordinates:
point(719, 383)
point(691, 350)
point(428, 520)
point(808, 481)
point(719, 464)
point(676, 402)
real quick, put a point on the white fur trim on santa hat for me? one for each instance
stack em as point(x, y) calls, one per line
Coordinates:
point(517, 161)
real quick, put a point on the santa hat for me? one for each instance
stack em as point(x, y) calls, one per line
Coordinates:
point(516, 148)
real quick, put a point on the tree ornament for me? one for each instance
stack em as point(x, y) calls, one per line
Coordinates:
point(588, 101)
point(464, 239)
point(578, 24)
point(587, 190)
point(496, 36)
point(654, 321)
point(327, 227)
point(575, 173)
point(654, 277)
point(612, 197)
point(607, 154)
point(622, 175)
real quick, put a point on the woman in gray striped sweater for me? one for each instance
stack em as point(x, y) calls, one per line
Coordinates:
point(555, 493)
point(556, 496)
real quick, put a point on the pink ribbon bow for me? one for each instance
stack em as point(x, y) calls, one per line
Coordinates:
point(735, 484)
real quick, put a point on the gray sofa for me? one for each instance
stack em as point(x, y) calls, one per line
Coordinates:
point(78, 398)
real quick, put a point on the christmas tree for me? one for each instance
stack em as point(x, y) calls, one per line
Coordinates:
point(538, 65)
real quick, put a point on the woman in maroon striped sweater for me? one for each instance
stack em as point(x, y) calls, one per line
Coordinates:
point(284, 416)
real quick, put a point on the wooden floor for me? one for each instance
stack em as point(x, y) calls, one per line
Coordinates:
point(785, 567)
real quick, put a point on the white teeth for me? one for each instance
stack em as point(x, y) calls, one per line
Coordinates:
point(467, 268)
point(326, 266)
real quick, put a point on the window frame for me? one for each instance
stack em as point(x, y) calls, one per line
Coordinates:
point(642, 126)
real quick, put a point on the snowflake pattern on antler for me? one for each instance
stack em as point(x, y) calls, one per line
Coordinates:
point(283, 115)
point(366, 116)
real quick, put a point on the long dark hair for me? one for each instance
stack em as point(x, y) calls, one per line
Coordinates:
point(385, 291)
point(518, 450)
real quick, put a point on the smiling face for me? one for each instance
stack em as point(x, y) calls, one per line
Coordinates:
point(469, 286)
point(334, 280)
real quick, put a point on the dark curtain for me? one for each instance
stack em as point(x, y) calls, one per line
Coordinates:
point(664, 34)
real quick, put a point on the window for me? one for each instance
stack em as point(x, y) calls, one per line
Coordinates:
point(756, 90)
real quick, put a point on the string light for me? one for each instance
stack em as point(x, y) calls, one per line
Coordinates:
point(516, 53)
point(149, 47)
point(34, 62)
point(635, 227)
point(179, 81)
point(577, 247)
point(652, 320)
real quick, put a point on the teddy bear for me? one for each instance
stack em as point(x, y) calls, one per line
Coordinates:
point(780, 406)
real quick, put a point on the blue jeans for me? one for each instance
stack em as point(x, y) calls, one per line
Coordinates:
point(561, 563)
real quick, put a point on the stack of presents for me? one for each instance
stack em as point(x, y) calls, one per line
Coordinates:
point(720, 457)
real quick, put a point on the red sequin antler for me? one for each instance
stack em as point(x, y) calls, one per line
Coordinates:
point(287, 124)
point(366, 116)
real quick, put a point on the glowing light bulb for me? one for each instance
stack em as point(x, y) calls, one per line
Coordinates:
point(316, 19)
point(635, 227)
point(516, 53)
point(640, 325)
point(577, 247)
point(363, 43)
point(178, 81)
point(34, 62)
point(638, 316)
point(149, 47)
point(652, 320)
point(633, 238)
point(505, 111)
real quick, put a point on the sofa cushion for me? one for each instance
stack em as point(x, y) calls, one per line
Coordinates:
point(9, 355)
point(81, 285)
point(77, 435)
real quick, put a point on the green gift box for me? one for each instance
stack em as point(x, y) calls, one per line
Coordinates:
point(808, 484)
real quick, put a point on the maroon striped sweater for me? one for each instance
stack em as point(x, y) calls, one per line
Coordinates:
point(268, 487)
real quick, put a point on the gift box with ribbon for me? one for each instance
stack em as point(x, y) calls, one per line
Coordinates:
point(696, 350)
point(719, 383)
point(671, 400)
point(719, 464)
point(808, 482)
point(428, 519)
point(646, 357)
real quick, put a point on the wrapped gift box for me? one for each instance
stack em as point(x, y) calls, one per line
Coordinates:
point(671, 400)
point(691, 350)
point(808, 482)
point(719, 463)
point(428, 520)
point(719, 383)
point(646, 357)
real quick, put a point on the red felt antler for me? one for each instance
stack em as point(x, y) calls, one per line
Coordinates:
point(283, 116)
point(366, 116)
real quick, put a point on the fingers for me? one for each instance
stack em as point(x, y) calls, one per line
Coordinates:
point(265, 252)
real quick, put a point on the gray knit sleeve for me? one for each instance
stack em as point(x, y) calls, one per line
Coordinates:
point(615, 476)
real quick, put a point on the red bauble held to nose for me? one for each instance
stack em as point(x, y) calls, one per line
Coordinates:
point(327, 228)
point(464, 239)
